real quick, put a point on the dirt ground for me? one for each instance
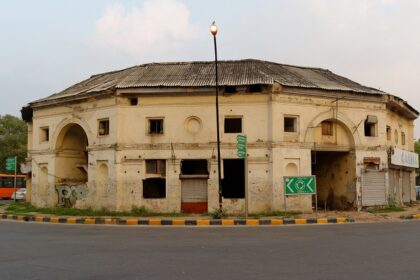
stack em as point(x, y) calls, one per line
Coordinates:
point(365, 216)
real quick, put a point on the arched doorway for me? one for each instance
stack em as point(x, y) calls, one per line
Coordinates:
point(334, 165)
point(71, 163)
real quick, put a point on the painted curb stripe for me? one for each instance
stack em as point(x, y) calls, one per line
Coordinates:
point(252, 222)
point(416, 216)
point(276, 222)
point(131, 222)
point(154, 222)
point(181, 222)
point(228, 222)
point(178, 222)
point(203, 222)
point(322, 221)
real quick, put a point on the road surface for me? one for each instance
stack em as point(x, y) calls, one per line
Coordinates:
point(348, 251)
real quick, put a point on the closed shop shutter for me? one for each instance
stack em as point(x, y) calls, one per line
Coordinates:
point(194, 190)
point(393, 192)
point(406, 190)
point(373, 188)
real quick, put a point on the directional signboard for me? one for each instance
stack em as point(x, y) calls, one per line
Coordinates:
point(241, 146)
point(299, 185)
point(10, 163)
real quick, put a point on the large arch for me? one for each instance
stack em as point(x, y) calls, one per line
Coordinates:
point(333, 159)
point(71, 160)
point(340, 119)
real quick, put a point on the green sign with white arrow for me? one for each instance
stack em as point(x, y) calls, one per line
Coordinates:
point(241, 146)
point(299, 185)
point(10, 163)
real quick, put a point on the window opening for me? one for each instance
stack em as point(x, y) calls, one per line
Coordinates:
point(327, 128)
point(194, 167)
point(156, 166)
point(44, 134)
point(103, 127)
point(370, 125)
point(155, 126)
point(134, 101)
point(233, 125)
point(402, 138)
point(388, 133)
point(290, 124)
point(154, 188)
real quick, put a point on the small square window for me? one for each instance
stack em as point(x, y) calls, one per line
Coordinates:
point(156, 166)
point(327, 128)
point(134, 101)
point(44, 134)
point(103, 127)
point(290, 124)
point(233, 125)
point(155, 126)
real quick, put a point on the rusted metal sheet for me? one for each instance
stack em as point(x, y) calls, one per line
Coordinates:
point(202, 74)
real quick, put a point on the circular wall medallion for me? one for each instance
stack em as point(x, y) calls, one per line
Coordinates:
point(193, 125)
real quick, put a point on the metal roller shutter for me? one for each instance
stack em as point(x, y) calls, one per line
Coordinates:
point(373, 188)
point(406, 190)
point(194, 190)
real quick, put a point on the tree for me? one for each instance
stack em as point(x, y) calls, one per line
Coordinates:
point(13, 138)
point(417, 150)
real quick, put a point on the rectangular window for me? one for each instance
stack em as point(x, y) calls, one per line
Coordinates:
point(156, 166)
point(103, 127)
point(233, 125)
point(290, 124)
point(370, 126)
point(44, 134)
point(402, 138)
point(155, 126)
point(154, 188)
point(388, 133)
point(327, 128)
point(194, 167)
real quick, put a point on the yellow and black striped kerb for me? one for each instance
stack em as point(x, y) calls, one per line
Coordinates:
point(178, 221)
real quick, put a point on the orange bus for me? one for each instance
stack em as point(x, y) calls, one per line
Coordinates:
point(7, 184)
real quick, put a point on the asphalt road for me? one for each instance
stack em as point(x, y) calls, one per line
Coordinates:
point(349, 251)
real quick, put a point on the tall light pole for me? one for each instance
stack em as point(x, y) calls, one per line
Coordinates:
point(213, 30)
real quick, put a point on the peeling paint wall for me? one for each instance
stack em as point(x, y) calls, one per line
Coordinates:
point(116, 163)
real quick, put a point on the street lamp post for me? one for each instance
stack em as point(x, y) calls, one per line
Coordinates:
point(213, 30)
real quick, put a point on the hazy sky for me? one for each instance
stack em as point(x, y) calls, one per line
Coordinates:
point(47, 46)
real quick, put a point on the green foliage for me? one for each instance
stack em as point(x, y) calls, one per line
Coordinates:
point(388, 209)
point(13, 138)
point(218, 214)
point(417, 150)
point(23, 207)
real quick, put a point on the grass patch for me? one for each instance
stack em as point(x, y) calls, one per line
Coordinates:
point(388, 209)
point(21, 208)
point(2, 204)
point(282, 214)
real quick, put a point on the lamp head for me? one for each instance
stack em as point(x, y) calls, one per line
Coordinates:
point(213, 29)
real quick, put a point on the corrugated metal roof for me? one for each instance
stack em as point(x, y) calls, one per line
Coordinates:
point(201, 74)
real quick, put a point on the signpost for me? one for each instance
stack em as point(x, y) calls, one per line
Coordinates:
point(300, 185)
point(241, 153)
point(11, 163)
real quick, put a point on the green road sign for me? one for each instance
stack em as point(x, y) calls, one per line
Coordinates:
point(241, 139)
point(241, 146)
point(300, 185)
point(10, 163)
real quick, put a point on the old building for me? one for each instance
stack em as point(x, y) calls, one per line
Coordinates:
point(146, 136)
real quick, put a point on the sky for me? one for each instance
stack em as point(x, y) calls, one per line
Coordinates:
point(48, 45)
